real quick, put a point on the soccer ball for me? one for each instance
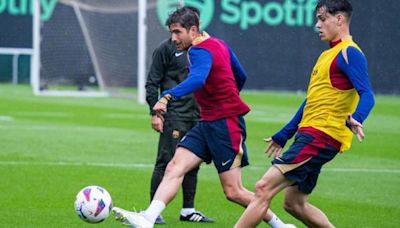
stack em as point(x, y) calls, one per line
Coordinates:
point(93, 204)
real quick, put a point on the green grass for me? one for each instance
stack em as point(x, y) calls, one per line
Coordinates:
point(51, 147)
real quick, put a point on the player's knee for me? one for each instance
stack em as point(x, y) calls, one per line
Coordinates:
point(232, 194)
point(261, 190)
point(172, 169)
point(292, 207)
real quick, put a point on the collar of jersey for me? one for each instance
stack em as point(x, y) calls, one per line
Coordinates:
point(203, 36)
point(346, 38)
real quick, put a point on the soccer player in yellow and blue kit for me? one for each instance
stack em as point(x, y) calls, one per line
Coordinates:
point(339, 99)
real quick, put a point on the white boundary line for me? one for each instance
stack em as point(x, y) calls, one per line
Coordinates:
point(148, 166)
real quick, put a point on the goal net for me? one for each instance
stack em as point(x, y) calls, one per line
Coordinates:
point(89, 47)
point(100, 47)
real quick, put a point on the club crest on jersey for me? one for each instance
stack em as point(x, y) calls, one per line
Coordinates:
point(175, 134)
point(314, 72)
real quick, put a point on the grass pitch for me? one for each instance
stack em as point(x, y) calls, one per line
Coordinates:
point(51, 147)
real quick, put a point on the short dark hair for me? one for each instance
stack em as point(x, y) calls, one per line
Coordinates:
point(187, 16)
point(195, 10)
point(335, 6)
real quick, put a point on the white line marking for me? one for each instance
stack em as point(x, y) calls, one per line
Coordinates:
point(48, 114)
point(6, 118)
point(148, 166)
point(116, 165)
point(360, 170)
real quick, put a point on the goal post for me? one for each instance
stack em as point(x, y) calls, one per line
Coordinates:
point(87, 48)
point(97, 47)
point(142, 51)
point(35, 57)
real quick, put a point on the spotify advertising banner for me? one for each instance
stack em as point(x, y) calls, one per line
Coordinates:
point(275, 39)
point(16, 21)
point(278, 45)
point(16, 32)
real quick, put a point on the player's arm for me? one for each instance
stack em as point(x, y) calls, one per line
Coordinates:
point(238, 71)
point(156, 76)
point(200, 66)
point(354, 64)
point(279, 139)
point(154, 79)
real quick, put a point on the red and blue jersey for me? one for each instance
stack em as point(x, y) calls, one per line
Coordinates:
point(216, 77)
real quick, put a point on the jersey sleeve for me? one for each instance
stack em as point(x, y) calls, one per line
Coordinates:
point(287, 132)
point(200, 66)
point(356, 69)
point(156, 75)
point(238, 71)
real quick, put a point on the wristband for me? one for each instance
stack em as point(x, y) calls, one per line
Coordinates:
point(165, 99)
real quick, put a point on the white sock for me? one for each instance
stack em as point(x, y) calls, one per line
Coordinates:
point(187, 211)
point(154, 210)
point(275, 222)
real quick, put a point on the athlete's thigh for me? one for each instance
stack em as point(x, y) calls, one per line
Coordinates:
point(295, 196)
point(231, 178)
point(273, 181)
point(184, 160)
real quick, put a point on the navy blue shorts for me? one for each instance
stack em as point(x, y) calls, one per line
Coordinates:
point(221, 141)
point(302, 162)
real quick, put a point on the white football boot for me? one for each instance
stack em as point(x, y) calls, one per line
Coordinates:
point(131, 218)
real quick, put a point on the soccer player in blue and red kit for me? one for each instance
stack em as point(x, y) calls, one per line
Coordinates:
point(215, 77)
point(339, 99)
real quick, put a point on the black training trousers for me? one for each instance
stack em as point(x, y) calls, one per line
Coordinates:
point(174, 130)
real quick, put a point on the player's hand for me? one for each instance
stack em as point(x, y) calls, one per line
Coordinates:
point(272, 148)
point(157, 124)
point(355, 127)
point(160, 109)
point(161, 106)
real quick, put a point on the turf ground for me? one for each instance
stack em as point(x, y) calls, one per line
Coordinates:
point(51, 147)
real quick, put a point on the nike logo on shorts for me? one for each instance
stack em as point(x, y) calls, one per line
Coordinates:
point(225, 163)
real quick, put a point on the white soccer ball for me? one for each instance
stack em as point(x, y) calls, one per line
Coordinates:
point(93, 204)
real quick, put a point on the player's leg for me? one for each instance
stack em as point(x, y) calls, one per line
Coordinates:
point(166, 150)
point(188, 212)
point(165, 153)
point(301, 164)
point(273, 181)
point(266, 188)
point(296, 203)
point(320, 150)
point(226, 140)
point(189, 184)
point(182, 162)
point(234, 190)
